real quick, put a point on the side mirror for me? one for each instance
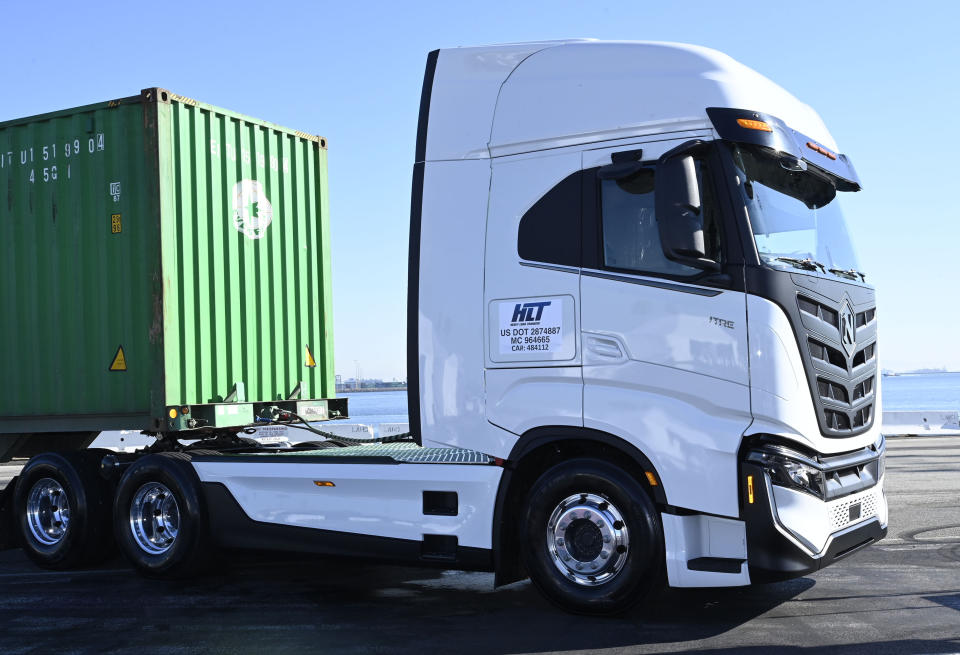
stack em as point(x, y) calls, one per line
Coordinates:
point(679, 213)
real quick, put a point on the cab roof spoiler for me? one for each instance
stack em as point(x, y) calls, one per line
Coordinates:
point(757, 128)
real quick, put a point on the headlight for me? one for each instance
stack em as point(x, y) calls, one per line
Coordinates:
point(881, 447)
point(787, 468)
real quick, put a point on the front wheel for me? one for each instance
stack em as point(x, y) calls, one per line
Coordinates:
point(593, 542)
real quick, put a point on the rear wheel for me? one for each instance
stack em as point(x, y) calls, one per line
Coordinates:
point(63, 510)
point(159, 518)
point(593, 542)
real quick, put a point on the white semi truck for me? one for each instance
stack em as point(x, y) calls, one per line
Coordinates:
point(640, 350)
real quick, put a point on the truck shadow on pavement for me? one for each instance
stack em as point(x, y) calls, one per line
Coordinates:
point(321, 605)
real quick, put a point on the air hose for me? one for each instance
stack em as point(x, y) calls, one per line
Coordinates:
point(283, 417)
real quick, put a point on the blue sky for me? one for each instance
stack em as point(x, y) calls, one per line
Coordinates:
point(882, 75)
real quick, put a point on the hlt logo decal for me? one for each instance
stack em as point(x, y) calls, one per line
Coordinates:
point(528, 311)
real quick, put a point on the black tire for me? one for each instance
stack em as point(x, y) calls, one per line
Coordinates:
point(156, 549)
point(640, 561)
point(58, 540)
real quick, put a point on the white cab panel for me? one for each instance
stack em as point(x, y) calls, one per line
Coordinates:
point(688, 425)
point(466, 84)
point(780, 394)
point(520, 399)
point(374, 499)
point(533, 387)
point(451, 307)
point(691, 537)
point(670, 327)
point(583, 92)
point(506, 99)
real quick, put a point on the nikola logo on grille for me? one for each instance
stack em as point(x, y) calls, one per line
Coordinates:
point(848, 329)
point(528, 312)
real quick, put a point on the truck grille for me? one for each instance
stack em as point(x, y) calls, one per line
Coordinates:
point(842, 349)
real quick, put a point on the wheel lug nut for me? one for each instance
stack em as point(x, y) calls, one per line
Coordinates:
point(606, 539)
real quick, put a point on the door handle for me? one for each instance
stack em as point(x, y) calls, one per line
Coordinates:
point(605, 347)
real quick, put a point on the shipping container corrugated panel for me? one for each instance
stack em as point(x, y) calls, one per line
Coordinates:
point(158, 251)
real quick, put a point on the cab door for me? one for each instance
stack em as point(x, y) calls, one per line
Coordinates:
point(664, 351)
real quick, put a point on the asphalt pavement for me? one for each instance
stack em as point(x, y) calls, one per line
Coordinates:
point(899, 596)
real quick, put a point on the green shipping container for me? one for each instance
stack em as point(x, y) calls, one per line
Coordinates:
point(160, 254)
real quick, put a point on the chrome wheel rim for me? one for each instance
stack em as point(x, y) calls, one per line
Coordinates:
point(588, 539)
point(48, 512)
point(154, 518)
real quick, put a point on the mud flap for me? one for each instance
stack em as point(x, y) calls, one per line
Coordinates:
point(9, 534)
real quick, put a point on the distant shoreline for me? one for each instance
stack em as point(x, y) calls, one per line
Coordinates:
point(371, 390)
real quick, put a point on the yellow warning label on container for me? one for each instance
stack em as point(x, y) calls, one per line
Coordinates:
point(311, 362)
point(116, 225)
point(119, 361)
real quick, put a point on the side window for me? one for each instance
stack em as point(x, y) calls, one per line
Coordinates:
point(630, 235)
point(550, 230)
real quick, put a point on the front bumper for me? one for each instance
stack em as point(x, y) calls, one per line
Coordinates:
point(791, 533)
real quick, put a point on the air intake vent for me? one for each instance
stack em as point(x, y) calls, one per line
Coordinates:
point(864, 356)
point(863, 389)
point(837, 420)
point(827, 354)
point(862, 416)
point(832, 391)
point(819, 311)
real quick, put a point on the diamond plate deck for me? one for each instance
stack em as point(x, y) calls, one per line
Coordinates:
point(407, 453)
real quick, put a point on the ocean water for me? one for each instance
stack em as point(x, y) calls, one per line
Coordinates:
point(372, 407)
point(921, 391)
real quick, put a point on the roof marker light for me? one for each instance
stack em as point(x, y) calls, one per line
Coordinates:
point(823, 151)
point(324, 483)
point(754, 125)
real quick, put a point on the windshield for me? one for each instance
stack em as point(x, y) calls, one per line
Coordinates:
point(795, 216)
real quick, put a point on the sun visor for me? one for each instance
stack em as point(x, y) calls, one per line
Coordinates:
point(757, 128)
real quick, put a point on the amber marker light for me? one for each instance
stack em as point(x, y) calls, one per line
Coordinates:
point(324, 483)
point(750, 489)
point(823, 151)
point(173, 413)
point(651, 478)
point(751, 124)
